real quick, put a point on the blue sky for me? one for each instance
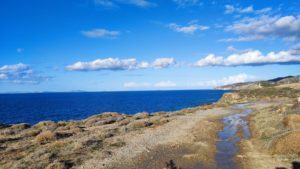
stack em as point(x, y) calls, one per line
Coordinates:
point(103, 45)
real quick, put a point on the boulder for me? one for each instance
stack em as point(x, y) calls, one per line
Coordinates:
point(142, 115)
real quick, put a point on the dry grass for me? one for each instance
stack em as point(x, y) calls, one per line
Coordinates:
point(45, 137)
point(292, 85)
point(139, 124)
point(292, 121)
point(275, 137)
point(288, 144)
point(58, 144)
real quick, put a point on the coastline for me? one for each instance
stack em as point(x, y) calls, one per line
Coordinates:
point(104, 134)
point(22, 108)
point(187, 138)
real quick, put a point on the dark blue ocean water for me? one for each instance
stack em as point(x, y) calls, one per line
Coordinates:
point(35, 107)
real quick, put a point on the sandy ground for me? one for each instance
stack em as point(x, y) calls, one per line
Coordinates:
point(189, 141)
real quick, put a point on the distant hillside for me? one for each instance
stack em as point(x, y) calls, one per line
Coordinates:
point(259, 84)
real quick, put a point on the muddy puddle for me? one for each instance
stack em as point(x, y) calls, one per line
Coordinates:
point(235, 127)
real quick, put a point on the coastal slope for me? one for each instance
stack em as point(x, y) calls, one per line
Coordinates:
point(182, 139)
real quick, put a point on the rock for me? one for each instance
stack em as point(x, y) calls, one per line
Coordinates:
point(20, 126)
point(108, 120)
point(65, 134)
point(142, 115)
point(3, 126)
point(298, 99)
point(229, 98)
point(105, 118)
point(139, 124)
point(125, 121)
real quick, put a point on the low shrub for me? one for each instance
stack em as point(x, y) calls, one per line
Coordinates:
point(45, 137)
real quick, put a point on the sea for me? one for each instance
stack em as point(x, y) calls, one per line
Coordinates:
point(35, 107)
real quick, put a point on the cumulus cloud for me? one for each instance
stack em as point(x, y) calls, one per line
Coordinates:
point(239, 78)
point(161, 84)
point(3, 76)
point(20, 73)
point(185, 3)
point(100, 33)
point(252, 57)
point(189, 29)
point(163, 62)
point(119, 64)
point(115, 3)
point(105, 64)
point(229, 9)
point(286, 27)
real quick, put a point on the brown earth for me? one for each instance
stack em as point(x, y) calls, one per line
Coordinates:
point(275, 141)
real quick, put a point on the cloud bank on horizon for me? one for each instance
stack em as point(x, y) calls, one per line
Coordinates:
point(209, 44)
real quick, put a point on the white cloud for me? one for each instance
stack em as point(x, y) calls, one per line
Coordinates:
point(231, 49)
point(115, 3)
point(210, 60)
point(264, 10)
point(136, 85)
point(229, 9)
point(239, 78)
point(286, 27)
point(161, 84)
point(106, 3)
point(119, 64)
point(20, 50)
point(189, 29)
point(140, 3)
point(163, 62)
point(165, 84)
point(243, 39)
point(252, 57)
point(3, 76)
point(20, 73)
point(105, 64)
point(185, 3)
point(100, 33)
point(14, 68)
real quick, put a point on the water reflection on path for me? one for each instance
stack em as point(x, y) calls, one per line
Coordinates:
point(227, 146)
